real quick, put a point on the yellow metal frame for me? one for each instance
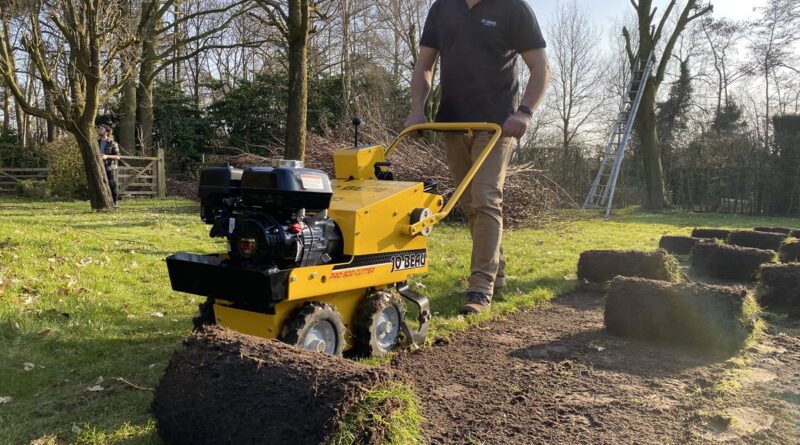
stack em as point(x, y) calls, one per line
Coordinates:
point(374, 217)
point(497, 133)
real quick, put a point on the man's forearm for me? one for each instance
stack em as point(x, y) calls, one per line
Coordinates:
point(420, 89)
point(536, 88)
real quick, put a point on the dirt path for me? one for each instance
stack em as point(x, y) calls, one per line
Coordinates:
point(552, 375)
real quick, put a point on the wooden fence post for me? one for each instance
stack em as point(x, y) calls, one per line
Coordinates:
point(161, 174)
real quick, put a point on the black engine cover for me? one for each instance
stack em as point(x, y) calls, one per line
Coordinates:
point(280, 189)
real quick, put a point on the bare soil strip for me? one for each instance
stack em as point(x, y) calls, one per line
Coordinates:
point(553, 375)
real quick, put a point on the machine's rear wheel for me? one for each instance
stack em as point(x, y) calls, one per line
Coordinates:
point(378, 323)
point(316, 327)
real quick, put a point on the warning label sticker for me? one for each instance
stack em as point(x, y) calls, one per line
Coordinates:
point(312, 182)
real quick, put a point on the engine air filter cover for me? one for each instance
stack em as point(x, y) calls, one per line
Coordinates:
point(286, 189)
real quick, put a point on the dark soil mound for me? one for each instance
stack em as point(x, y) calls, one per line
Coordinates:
point(790, 252)
point(227, 388)
point(757, 240)
point(780, 286)
point(729, 262)
point(783, 230)
point(708, 317)
point(719, 234)
point(679, 245)
point(601, 266)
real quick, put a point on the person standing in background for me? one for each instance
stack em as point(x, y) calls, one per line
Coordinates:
point(110, 152)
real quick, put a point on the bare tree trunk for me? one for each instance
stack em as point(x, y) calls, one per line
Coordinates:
point(147, 70)
point(346, 71)
point(298, 27)
point(99, 190)
point(655, 194)
point(6, 114)
point(127, 124)
point(649, 37)
point(20, 121)
point(52, 131)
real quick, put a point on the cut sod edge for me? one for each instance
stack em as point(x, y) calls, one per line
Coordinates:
point(391, 409)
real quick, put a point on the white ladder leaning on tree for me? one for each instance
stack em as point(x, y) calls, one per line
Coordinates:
point(601, 195)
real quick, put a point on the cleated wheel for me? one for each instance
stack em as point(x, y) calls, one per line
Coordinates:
point(205, 317)
point(315, 327)
point(378, 323)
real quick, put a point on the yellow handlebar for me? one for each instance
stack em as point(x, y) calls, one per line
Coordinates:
point(469, 128)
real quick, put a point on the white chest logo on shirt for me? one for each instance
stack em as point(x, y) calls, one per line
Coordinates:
point(489, 23)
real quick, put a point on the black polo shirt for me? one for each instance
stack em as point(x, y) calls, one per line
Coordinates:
point(479, 49)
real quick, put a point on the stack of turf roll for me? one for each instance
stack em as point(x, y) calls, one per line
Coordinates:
point(596, 268)
point(679, 245)
point(719, 234)
point(757, 240)
point(783, 230)
point(729, 262)
point(780, 287)
point(714, 318)
point(790, 251)
point(227, 388)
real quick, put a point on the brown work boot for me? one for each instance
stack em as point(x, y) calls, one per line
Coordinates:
point(477, 302)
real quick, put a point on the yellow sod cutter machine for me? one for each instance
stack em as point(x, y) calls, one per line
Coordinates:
point(321, 264)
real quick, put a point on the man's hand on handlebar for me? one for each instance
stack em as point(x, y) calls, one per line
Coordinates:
point(416, 119)
point(516, 125)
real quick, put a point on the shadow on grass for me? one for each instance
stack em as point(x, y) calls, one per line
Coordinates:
point(49, 400)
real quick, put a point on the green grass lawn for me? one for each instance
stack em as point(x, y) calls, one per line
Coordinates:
point(88, 320)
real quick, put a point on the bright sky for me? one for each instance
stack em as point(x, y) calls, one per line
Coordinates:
point(604, 11)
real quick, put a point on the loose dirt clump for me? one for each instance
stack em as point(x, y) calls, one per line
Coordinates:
point(714, 318)
point(719, 234)
point(226, 388)
point(757, 240)
point(729, 262)
point(679, 245)
point(790, 251)
point(602, 266)
point(780, 286)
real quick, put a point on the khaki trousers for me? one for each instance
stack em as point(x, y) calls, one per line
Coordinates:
point(482, 203)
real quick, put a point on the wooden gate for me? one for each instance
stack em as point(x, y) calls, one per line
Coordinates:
point(9, 177)
point(142, 176)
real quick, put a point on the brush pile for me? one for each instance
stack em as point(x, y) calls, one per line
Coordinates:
point(530, 197)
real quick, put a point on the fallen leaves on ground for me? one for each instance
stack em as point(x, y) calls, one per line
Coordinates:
point(98, 385)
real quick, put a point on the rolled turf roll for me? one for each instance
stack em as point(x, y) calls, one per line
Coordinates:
point(226, 388)
point(719, 234)
point(679, 245)
point(601, 266)
point(790, 251)
point(780, 286)
point(757, 240)
point(729, 262)
point(784, 230)
point(708, 317)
